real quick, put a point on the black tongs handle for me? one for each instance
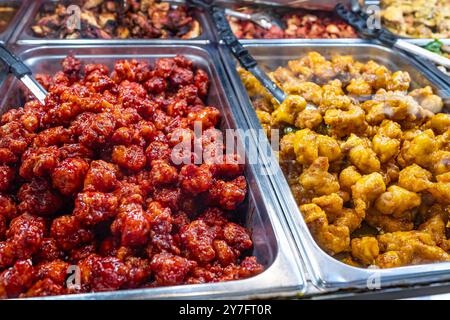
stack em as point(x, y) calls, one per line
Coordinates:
point(22, 72)
point(358, 20)
point(15, 65)
point(230, 40)
point(237, 49)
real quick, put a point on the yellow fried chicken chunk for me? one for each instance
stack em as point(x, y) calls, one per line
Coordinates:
point(288, 110)
point(396, 200)
point(408, 247)
point(365, 249)
point(441, 189)
point(333, 239)
point(348, 177)
point(344, 122)
point(414, 178)
point(318, 179)
point(367, 189)
point(361, 154)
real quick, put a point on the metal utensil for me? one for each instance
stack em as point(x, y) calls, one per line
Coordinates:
point(22, 72)
point(238, 50)
point(263, 19)
point(358, 20)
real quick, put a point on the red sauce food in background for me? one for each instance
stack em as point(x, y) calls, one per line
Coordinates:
point(301, 24)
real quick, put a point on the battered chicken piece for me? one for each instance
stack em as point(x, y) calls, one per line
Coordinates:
point(310, 91)
point(440, 122)
point(420, 150)
point(361, 154)
point(308, 118)
point(342, 153)
point(411, 247)
point(365, 249)
point(441, 162)
point(396, 200)
point(308, 146)
point(317, 178)
point(428, 100)
point(288, 110)
point(399, 81)
point(359, 87)
point(333, 239)
point(415, 179)
point(441, 189)
point(386, 143)
point(367, 189)
point(348, 177)
point(388, 223)
point(332, 204)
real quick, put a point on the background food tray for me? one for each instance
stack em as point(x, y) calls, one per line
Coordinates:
point(323, 270)
point(24, 35)
point(273, 245)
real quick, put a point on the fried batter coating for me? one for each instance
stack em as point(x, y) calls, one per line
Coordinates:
point(396, 201)
point(365, 249)
point(410, 247)
point(361, 154)
point(317, 178)
point(415, 179)
point(366, 150)
point(333, 239)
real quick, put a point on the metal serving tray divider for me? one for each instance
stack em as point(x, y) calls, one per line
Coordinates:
point(20, 11)
point(274, 245)
point(428, 64)
point(325, 272)
point(23, 35)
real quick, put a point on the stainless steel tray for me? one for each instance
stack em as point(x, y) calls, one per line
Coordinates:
point(428, 64)
point(273, 245)
point(21, 9)
point(366, 3)
point(232, 3)
point(24, 36)
point(324, 271)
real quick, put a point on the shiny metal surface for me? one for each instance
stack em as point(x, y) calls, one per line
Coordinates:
point(423, 53)
point(34, 87)
point(23, 35)
point(273, 245)
point(429, 65)
point(306, 4)
point(323, 270)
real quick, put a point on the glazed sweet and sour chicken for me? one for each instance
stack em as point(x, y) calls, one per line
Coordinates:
point(92, 180)
point(366, 157)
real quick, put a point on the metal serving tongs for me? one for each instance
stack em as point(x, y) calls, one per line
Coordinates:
point(358, 20)
point(22, 72)
point(265, 20)
point(238, 50)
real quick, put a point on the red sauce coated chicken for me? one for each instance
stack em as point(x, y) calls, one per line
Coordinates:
point(93, 181)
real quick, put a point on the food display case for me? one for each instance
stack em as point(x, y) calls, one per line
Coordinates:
point(47, 21)
point(324, 271)
point(10, 15)
point(273, 244)
point(294, 266)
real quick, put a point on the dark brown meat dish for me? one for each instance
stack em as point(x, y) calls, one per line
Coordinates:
point(105, 19)
point(90, 181)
